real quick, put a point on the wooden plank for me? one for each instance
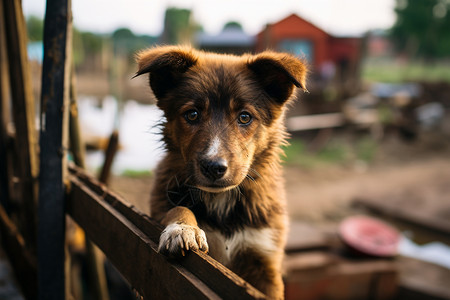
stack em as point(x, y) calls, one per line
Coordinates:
point(305, 237)
point(24, 114)
point(21, 259)
point(310, 122)
point(413, 217)
point(307, 261)
point(53, 146)
point(327, 275)
point(364, 117)
point(220, 279)
point(422, 280)
point(132, 252)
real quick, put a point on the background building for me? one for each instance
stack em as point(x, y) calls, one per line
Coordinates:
point(328, 55)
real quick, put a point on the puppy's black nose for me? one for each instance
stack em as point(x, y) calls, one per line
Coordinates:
point(213, 169)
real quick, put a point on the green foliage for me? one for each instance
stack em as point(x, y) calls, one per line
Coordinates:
point(89, 44)
point(422, 28)
point(233, 25)
point(365, 149)
point(336, 152)
point(176, 22)
point(390, 71)
point(294, 153)
point(92, 43)
point(125, 42)
point(123, 34)
point(77, 46)
point(136, 173)
point(35, 28)
point(179, 26)
point(86, 44)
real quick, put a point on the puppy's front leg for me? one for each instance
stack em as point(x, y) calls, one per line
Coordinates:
point(181, 233)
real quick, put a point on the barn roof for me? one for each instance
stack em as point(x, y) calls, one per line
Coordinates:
point(296, 18)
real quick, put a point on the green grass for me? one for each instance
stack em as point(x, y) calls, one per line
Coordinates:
point(136, 173)
point(336, 152)
point(365, 149)
point(393, 72)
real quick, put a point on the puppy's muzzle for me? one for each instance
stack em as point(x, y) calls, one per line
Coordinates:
point(213, 169)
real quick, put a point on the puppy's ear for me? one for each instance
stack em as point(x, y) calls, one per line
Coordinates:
point(278, 73)
point(166, 65)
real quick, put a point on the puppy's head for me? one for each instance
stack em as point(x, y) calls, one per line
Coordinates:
point(222, 111)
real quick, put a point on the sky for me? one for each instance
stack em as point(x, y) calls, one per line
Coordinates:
point(339, 17)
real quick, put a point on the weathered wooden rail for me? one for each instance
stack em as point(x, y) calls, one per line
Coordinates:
point(129, 239)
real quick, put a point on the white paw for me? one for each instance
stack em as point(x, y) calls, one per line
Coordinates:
point(176, 238)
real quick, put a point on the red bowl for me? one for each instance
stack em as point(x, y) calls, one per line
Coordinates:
point(369, 236)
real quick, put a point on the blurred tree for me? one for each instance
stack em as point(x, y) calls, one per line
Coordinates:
point(123, 34)
point(175, 22)
point(92, 43)
point(422, 28)
point(35, 28)
point(233, 25)
point(127, 43)
point(178, 26)
point(86, 44)
point(89, 47)
point(122, 40)
point(77, 46)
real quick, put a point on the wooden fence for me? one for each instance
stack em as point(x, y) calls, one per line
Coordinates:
point(38, 191)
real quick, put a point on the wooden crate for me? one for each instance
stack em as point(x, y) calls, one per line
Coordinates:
point(328, 272)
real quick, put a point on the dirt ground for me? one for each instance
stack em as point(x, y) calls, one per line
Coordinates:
point(406, 173)
point(414, 173)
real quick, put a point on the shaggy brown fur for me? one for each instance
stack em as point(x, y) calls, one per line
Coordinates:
point(221, 174)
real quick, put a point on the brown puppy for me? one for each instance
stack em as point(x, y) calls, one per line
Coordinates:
point(219, 187)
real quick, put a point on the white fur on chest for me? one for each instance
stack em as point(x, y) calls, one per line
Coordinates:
point(224, 249)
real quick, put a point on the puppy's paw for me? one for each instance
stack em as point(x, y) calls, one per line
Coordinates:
point(178, 238)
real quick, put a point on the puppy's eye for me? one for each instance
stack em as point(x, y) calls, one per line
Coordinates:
point(192, 116)
point(244, 118)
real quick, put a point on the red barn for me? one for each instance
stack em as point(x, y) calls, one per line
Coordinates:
point(324, 52)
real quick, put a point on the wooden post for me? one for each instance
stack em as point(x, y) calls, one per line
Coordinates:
point(110, 152)
point(4, 100)
point(95, 262)
point(24, 114)
point(96, 269)
point(53, 146)
point(77, 145)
